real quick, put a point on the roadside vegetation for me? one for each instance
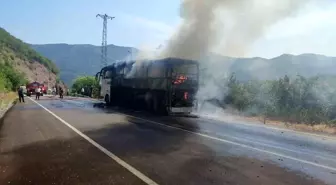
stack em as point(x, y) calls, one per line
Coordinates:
point(6, 99)
point(90, 85)
point(298, 100)
point(10, 79)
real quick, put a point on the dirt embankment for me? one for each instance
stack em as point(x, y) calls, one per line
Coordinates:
point(35, 71)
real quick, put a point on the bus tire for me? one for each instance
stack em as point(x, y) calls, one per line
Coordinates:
point(158, 106)
point(148, 99)
point(155, 105)
point(107, 100)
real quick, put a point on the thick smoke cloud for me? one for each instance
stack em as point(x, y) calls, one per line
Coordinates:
point(197, 33)
point(228, 27)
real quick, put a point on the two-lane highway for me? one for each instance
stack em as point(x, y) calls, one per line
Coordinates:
point(114, 146)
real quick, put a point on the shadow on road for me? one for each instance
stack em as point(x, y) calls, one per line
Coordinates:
point(138, 137)
point(75, 161)
point(70, 162)
point(184, 122)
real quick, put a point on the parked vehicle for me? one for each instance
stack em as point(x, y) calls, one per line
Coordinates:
point(32, 86)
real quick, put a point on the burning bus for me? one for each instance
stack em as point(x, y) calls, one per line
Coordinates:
point(163, 86)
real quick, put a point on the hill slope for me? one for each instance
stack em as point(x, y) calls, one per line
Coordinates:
point(82, 59)
point(74, 60)
point(265, 69)
point(23, 59)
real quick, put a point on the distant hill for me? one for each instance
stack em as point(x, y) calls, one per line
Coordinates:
point(81, 59)
point(22, 59)
point(74, 60)
point(307, 65)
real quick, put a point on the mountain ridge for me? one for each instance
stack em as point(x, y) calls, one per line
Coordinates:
point(84, 59)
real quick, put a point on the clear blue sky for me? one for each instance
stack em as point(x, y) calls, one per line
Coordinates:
point(74, 21)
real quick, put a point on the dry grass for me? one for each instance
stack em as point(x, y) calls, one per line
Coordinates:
point(320, 128)
point(6, 99)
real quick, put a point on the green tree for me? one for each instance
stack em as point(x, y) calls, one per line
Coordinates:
point(10, 79)
point(299, 100)
point(88, 83)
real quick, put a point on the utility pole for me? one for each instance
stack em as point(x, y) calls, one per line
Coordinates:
point(105, 17)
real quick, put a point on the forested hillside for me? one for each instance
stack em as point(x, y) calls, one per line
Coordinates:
point(20, 64)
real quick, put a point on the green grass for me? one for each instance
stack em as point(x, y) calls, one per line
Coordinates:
point(6, 99)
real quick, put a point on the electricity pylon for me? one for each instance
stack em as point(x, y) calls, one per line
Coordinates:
point(105, 17)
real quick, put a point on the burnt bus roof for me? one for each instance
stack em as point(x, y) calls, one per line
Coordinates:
point(170, 60)
point(179, 61)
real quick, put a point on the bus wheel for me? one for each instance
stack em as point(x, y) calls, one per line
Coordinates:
point(155, 104)
point(158, 106)
point(107, 100)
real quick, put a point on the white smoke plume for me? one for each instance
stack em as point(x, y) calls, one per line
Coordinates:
point(228, 27)
point(136, 60)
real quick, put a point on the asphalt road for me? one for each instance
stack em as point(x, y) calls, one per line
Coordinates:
point(78, 141)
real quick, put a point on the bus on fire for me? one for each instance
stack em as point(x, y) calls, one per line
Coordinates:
point(165, 86)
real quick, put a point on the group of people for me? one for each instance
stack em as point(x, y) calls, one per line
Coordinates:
point(38, 93)
point(61, 92)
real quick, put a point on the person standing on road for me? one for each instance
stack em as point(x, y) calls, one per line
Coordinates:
point(61, 92)
point(38, 93)
point(20, 93)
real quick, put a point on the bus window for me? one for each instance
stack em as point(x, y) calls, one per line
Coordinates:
point(108, 74)
point(156, 70)
point(190, 69)
point(120, 70)
point(184, 73)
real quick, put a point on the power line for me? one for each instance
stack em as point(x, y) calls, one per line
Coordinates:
point(105, 17)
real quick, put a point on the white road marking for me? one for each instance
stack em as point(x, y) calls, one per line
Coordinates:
point(137, 173)
point(237, 144)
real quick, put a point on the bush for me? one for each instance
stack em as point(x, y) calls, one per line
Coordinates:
point(299, 100)
point(10, 79)
point(89, 84)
